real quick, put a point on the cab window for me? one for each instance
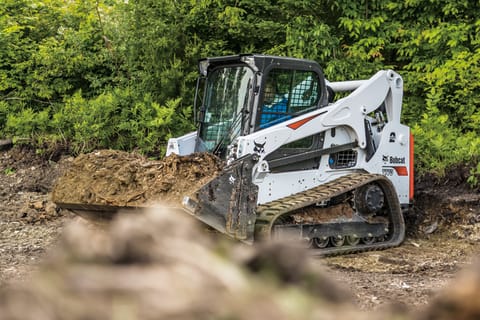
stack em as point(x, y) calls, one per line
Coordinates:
point(286, 94)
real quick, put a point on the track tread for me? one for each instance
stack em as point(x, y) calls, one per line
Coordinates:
point(268, 213)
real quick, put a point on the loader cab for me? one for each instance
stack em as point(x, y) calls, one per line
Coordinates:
point(238, 95)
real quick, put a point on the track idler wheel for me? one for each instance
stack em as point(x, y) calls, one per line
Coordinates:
point(353, 240)
point(369, 199)
point(337, 241)
point(321, 242)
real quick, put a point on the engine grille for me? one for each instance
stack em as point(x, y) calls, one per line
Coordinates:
point(343, 159)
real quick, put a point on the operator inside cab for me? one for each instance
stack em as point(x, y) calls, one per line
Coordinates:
point(274, 108)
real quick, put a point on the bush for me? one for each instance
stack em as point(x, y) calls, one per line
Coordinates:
point(438, 144)
point(119, 120)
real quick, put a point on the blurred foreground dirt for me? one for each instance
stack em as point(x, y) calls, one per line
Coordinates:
point(159, 265)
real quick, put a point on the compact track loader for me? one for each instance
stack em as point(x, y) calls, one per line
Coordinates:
point(335, 173)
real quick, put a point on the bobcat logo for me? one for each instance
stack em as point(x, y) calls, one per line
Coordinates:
point(259, 147)
point(385, 158)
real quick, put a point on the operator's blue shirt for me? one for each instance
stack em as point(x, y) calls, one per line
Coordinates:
point(274, 113)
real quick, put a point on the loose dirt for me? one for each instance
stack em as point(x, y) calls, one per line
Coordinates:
point(443, 228)
point(128, 179)
point(29, 222)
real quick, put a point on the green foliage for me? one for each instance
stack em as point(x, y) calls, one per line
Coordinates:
point(120, 120)
point(439, 145)
point(49, 50)
point(121, 74)
point(8, 171)
point(474, 178)
point(27, 122)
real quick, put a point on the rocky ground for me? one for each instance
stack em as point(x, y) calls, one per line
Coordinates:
point(443, 236)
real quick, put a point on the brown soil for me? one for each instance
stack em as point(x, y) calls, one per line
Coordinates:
point(109, 177)
point(443, 234)
point(29, 222)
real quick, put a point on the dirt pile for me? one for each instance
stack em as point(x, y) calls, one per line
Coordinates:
point(109, 177)
point(160, 266)
point(39, 211)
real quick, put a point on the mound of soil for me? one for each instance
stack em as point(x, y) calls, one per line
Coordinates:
point(109, 177)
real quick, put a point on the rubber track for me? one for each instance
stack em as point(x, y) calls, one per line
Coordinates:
point(268, 213)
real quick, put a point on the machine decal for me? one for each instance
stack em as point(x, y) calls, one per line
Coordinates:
point(393, 137)
point(390, 171)
point(300, 123)
point(401, 171)
point(259, 147)
point(393, 159)
point(397, 160)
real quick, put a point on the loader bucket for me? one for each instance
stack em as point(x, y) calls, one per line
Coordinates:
point(227, 203)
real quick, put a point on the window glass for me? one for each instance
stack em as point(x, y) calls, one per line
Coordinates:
point(227, 94)
point(286, 94)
